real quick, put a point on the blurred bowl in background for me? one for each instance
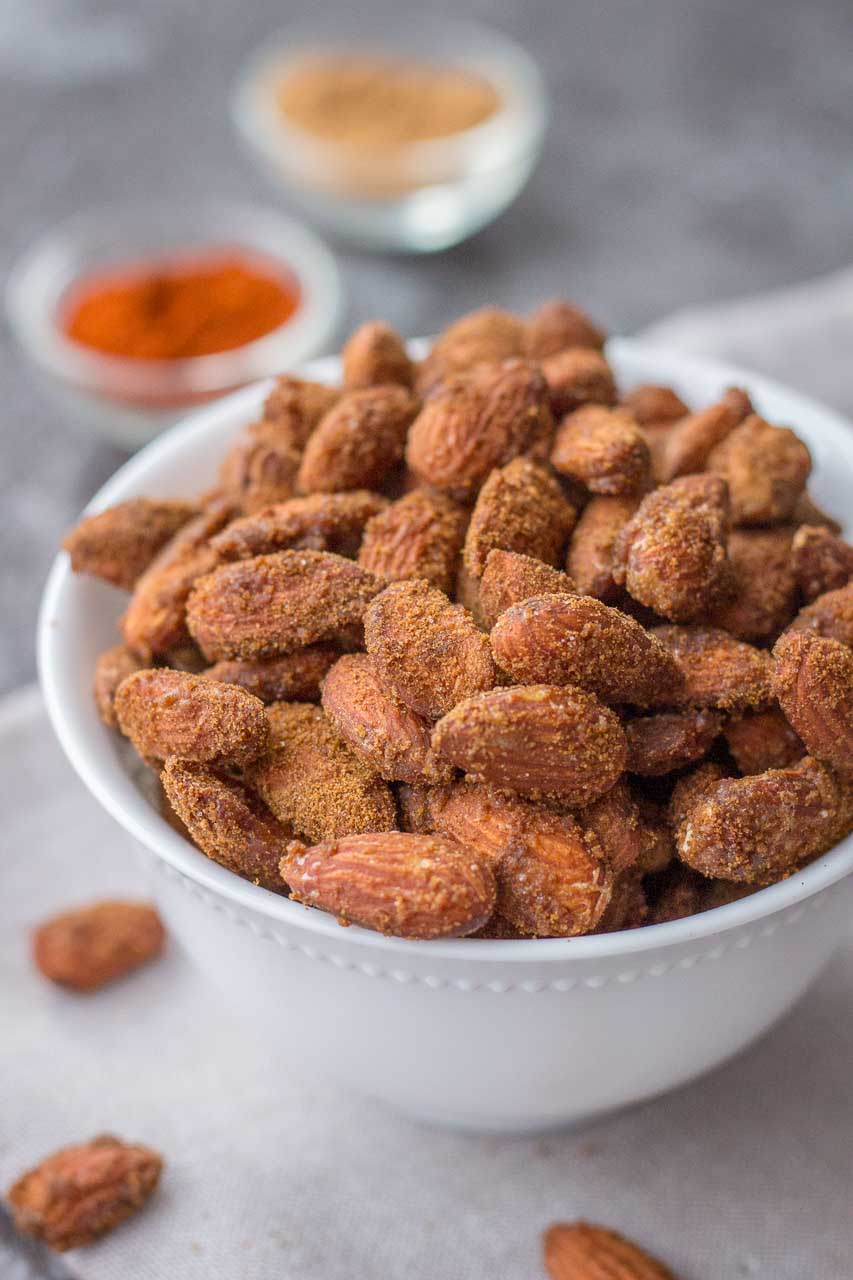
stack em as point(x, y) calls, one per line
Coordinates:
point(416, 196)
point(130, 400)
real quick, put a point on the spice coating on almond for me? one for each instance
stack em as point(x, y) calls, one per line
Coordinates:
point(173, 713)
point(412, 886)
point(276, 604)
point(419, 536)
point(120, 543)
point(428, 651)
point(537, 740)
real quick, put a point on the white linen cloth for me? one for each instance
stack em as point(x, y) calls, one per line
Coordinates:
point(276, 1177)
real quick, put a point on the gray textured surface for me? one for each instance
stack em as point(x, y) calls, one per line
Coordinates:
point(695, 152)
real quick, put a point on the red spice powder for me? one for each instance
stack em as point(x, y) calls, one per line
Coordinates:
point(177, 308)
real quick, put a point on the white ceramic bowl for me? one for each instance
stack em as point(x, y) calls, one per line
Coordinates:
point(474, 1034)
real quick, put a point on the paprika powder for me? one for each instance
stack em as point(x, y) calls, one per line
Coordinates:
point(181, 307)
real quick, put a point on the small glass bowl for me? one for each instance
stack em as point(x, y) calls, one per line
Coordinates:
point(436, 192)
point(130, 400)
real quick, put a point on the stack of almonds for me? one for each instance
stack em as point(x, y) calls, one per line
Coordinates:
point(479, 646)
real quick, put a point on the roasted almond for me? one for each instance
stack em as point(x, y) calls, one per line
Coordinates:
point(90, 946)
point(813, 680)
point(112, 666)
point(604, 450)
point(583, 1251)
point(321, 522)
point(276, 604)
point(358, 441)
point(374, 356)
point(509, 577)
point(120, 543)
point(293, 677)
point(659, 744)
point(380, 728)
point(172, 713)
point(419, 536)
point(830, 615)
point(426, 649)
point(766, 469)
point(521, 507)
point(557, 325)
point(589, 561)
point(536, 739)
point(412, 886)
point(561, 639)
point(718, 670)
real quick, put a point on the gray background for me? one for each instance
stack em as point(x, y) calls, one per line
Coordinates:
point(697, 151)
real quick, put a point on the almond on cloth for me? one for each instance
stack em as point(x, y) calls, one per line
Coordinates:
point(583, 1251)
point(537, 740)
point(82, 1192)
point(87, 947)
point(412, 886)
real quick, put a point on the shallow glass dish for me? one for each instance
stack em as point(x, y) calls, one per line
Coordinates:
point(425, 195)
point(129, 401)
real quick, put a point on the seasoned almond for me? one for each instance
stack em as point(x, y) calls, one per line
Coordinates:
point(418, 536)
point(589, 561)
point(374, 356)
point(576, 376)
point(294, 677)
point(766, 469)
point(822, 561)
point(658, 744)
point(172, 713)
point(558, 325)
point(763, 741)
point(411, 886)
point(426, 649)
point(313, 782)
point(652, 404)
point(485, 337)
point(615, 821)
point(80, 1193)
point(536, 739)
point(758, 829)
point(321, 522)
point(583, 1251)
point(671, 555)
point(261, 467)
point(376, 724)
point(413, 806)
point(474, 424)
point(88, 947)
point(602, 449)
point(155, 623)
point(110, 669)
point(692, 439)
point(509, 578)
point(295, 406)
point(276, 604)
point(120, 543)
point(830, 615)
point(718, 670)
point(813, 680)
point(358, 441)
point(522, 508)
point(227, 821)
point(576, 640)
point(762, 590)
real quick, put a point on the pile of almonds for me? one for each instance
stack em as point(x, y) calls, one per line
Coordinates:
point(480, 646)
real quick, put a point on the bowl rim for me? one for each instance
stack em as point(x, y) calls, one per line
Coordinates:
point(33, 314)
point(151, 830)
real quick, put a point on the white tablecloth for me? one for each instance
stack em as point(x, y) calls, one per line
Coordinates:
point(275, 1177)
